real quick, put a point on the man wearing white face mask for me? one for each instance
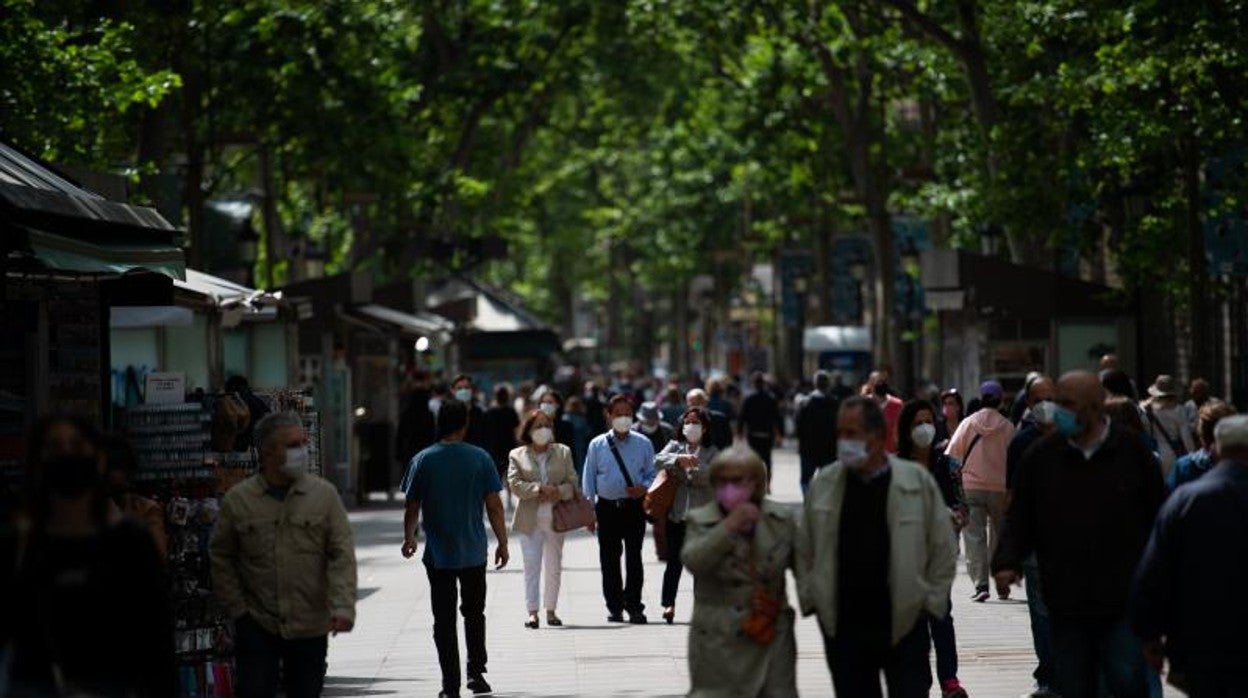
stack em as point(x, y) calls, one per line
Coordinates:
point(283, 565)
point(619, 468)
point(875, 558)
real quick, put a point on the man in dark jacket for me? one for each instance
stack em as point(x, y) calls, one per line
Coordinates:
point(500, 426)
point(761, 424)
point(1084, 503)
point(816, 435)
point(1194, 541)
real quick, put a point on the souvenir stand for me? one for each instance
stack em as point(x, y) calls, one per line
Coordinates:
point(179, 469)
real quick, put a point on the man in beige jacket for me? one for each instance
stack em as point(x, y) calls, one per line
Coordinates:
point(283, 566)
point(874, 557)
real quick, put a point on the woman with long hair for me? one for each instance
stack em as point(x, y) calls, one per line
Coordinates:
point(916, 441)
point(77, 575)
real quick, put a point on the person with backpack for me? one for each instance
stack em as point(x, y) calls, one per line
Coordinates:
point(1166, 421)
point(981, 444)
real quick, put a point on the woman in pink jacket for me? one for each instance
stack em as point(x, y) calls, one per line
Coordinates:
point(980, 445)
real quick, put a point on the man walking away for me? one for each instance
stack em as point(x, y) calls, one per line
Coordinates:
point(816, 432)
point(618, 469)
point(501, 425)
point(1084, 503)
point(283, 566)
point(874, 560)
point(761, 423)
point(980, 444)
point(1192, 543)
point(449, 484)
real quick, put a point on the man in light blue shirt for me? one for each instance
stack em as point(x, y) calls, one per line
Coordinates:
point(619, 468)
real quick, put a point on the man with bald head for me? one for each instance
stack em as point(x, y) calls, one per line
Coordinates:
point(1084, 501)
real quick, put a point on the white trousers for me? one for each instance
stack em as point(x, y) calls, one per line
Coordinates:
point(543, 553)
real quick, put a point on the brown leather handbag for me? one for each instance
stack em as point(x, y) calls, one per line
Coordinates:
point(571, 514)
point(660, 497)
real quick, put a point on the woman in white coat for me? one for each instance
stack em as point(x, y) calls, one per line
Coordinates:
point(539, 474)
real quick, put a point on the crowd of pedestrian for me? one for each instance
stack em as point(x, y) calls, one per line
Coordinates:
point(1113, 511)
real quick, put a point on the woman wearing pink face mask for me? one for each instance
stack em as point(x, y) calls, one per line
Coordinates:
point(738, 547)
point(687, 459)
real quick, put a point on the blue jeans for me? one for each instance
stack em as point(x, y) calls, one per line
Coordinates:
point(946, 645)
point(1039, 624)
point(1085, 652)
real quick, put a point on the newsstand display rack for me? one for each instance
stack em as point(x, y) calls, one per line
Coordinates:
point(179, 469)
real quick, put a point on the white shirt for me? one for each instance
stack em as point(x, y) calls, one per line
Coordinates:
point(545, 510)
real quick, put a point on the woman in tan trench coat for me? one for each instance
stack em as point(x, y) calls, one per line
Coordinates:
point(737, 548)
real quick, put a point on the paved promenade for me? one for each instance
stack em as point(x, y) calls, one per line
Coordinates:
point(392, 653)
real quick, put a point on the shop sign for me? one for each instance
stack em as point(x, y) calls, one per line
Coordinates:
point(165, 388)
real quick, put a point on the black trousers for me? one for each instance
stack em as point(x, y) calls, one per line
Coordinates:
point(762, 446)
point(444, 588)
point(856, 667)
point(262, 657)
point(621, 530)
point(671, 574)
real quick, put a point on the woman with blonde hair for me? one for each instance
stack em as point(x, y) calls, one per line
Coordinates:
point(737, 548)
point(540, 473)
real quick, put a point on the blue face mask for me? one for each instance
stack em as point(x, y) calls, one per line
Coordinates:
point(1066, 421)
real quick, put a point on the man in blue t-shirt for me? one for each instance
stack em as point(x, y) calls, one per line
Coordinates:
point(450, 483)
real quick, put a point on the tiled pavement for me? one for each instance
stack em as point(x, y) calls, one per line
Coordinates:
point(391, 653)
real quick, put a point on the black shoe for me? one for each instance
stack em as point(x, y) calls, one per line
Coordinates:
point(448, 694)
point(615, 618)
point(637, 618)
point(479, 687)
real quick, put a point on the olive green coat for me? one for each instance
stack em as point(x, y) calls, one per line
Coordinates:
point(289, 564)
point(722, 661)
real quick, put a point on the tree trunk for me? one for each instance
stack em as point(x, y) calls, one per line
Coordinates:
point(1199, 310)
point(883, 334)
point(274, 246)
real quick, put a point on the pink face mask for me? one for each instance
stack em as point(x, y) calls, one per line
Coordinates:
point(730, 495)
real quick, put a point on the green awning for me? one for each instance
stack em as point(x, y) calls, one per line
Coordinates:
point(69, 254)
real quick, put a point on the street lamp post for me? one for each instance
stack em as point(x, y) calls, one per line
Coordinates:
point(801, 287)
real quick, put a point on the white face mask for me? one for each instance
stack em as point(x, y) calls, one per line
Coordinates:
point(1043, 411)
point(548, 408)
point(464, 394)
point(852, 453)
point(542, 436)
point(649, 428)
point(693, 433)
point(622, 425)
point(296, 464)
point(923, 434)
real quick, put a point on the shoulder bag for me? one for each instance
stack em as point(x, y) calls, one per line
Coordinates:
point(571, 514)
point(660, 497)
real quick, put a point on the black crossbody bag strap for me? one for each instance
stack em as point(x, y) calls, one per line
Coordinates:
point(970, 449)
point(619, 460)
